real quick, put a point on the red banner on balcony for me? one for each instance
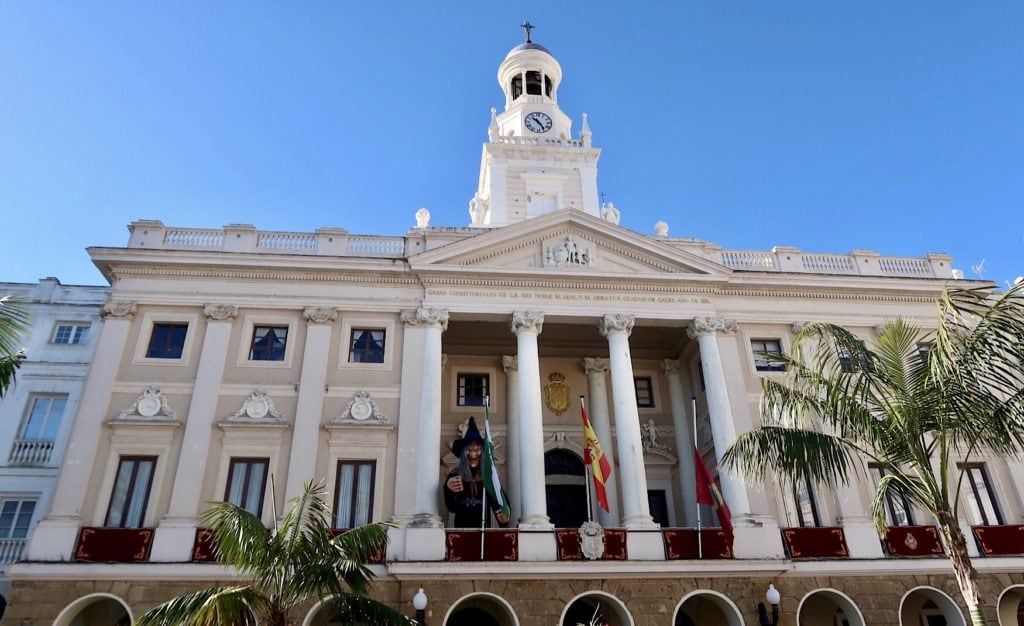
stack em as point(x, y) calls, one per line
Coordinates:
point(114, 545)
point(681, 544)
point(816, 543)
point(499, 545)
point(1000, 540)
point(913, 541)
point(569, 548)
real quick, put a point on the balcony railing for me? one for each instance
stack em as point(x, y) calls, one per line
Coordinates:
point(10, 550)
point(31, 452)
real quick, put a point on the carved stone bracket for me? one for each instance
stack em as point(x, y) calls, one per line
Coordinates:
point(221, 312)
point(361, 409)
point(120, 309)
point(709, 326)
point(256, 408)
point(151, 404)
point(617, 323)
point(595, 365)
point(425, 317)
point(320, 315)
point(568, 252)
point(510, 363)
point(532, 321)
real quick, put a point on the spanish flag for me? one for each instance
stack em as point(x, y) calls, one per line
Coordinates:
point(709, 493)
point(594, 456)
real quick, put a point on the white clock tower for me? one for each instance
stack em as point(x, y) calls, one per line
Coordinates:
point(531, 164)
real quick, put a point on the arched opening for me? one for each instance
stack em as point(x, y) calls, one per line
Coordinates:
point(1010, 607)
point(482, 609)
point(326, 613)
point(927, 606)
point(565, 484)
point(707, 608)
point(596, 609)
point(828, 606)
point(99, 609)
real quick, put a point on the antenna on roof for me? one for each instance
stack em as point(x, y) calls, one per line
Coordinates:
point(979, 269)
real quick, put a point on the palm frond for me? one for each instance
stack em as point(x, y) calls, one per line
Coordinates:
point(14, 320)
point(240, 539)
point(350, 608)
point(240, 606)
point(792, 453)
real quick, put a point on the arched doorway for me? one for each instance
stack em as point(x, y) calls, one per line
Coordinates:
point(596, 608)
point(95, 610)
point(828, 606)
point(927, 606)
point(1011, 606)
point(481, 609)
point(565, 485)
point(707, 608)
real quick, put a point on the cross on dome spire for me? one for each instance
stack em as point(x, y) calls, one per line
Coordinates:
point(527, 26)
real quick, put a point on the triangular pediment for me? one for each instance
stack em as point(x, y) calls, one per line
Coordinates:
point(568, 242)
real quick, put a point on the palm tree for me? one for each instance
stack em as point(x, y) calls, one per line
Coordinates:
point(296, 562)
point(13, 324)
point(919, 403)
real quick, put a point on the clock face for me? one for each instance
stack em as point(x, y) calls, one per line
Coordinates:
point(538, 122)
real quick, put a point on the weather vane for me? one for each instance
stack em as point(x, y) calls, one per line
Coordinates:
point(979, 269)
point(527, 26)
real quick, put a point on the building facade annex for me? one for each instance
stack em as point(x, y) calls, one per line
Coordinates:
point(229, 356)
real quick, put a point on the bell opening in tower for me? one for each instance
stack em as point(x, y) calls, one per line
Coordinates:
point(517, 87)
point(534, 80)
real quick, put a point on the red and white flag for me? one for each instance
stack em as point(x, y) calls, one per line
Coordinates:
point(709, 493)
point(594, 456)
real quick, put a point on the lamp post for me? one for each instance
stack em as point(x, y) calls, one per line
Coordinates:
point(419, 602)
point(773, 598)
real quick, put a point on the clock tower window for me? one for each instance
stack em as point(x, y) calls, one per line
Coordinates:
point(537, 83)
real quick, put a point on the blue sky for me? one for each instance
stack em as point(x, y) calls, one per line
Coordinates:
point(894, 126)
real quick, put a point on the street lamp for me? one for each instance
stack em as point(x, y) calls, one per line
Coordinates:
point(419, 602)
point(773, 598)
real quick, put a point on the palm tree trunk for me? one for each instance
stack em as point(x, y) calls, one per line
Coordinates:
point(966, 575)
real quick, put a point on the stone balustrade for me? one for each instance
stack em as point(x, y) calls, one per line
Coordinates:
point(31, 452)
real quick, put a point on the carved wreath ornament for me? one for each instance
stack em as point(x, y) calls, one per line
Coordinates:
point(150, 403)
point(258, 406)
point(361, 409)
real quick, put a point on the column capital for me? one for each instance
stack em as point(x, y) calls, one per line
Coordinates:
point(320, 315)
point(616, 323)
point(426, 317)
point(120, 309)
point(671, 367)
point(702, 326)
point(510, 363)
point(527, 320)
point(594, 365)
point(797, 327)
point(220, 312)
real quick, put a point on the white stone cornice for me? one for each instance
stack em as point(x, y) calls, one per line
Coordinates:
point(595, 365)
point(509, 363)
point(425, 317)
point(119, 309)
point(220, 312)
point(709, 326)
point(670, 366)
point(616, 323)
point(320, 315)
point(532, 321)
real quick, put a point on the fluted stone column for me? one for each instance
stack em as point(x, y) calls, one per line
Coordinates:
point(683, 422)
point(54, 536)
point(428, 465)
point(177, 528)
point(514, 492)
point(636, 513)
point(596, 369)
point(309, 406)
point(527, 326)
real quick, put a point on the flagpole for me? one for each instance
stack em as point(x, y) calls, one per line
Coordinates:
point(586, 475)
point(483, 506)
point(696, 451)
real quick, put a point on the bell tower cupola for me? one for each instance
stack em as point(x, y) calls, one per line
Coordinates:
point(531, 165)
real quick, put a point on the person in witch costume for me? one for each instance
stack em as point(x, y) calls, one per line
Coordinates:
point(464, 486)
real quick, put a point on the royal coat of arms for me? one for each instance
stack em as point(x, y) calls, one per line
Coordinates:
point(556, 394)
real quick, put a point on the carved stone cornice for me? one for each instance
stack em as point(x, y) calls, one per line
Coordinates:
point(220, 312)
point(702, 326)
point(510, 363)
point(616, 323)
point(320, 315)
point(532, 321)
point(426, 317)
point(595, 365)
point(671, 367)
point(119, 309)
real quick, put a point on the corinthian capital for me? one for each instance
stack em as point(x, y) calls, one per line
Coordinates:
point(121, 309)
point(220, 312)
point(594, 365)
point(527, 320)
point(709, 326)
point(320, 315)
point(426, 317)
point(670, 366)
point(616, 323)
point(510, 363)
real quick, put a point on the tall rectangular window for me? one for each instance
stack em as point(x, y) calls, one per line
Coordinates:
point(981, 499)
point(805, 508)
point(43, 420)
point(15, 516)
point(897, 509)
point(131, 492)
point(70, 332)
point(247, 482)
point(353, 498)
point(763, 349)
point(644, 391)
point(167, 341)
point(473, 388)
point(366, 345)
point(268, 343)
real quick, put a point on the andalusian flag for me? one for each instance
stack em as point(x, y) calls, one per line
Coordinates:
point(492, 483)
point(594, 456)
point(709, 493)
